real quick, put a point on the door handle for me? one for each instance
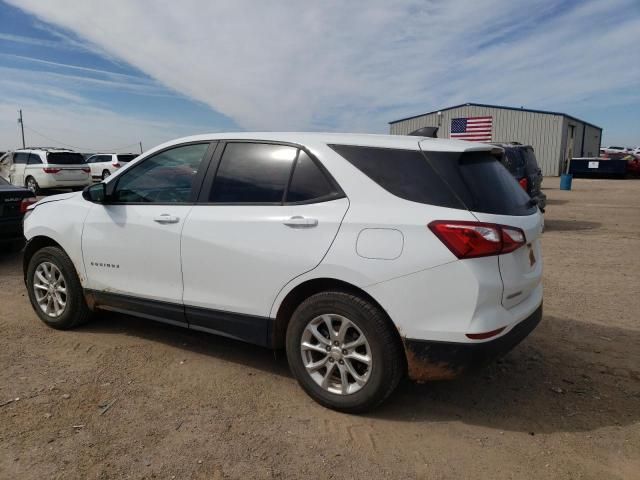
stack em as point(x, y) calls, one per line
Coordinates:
point(301, 222)
point(166, 218)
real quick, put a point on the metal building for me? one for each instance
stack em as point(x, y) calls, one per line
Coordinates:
point(555, 136)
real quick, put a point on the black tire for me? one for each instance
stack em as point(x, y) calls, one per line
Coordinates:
point(105, 174)
point(76, 312)
point(388, 362)
point(36, 188)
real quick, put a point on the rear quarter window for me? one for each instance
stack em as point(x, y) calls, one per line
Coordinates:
point(404, 173)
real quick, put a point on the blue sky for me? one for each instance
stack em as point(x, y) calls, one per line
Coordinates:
point(105, 75)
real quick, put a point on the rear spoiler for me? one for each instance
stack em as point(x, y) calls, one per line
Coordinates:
point(431, 132)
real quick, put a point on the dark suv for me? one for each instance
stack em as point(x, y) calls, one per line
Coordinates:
point(521, 161)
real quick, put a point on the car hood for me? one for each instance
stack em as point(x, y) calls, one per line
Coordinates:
point(57, 198)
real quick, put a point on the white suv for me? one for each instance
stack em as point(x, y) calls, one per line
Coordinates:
point(366, 256)
point(104, 164)
point(40, 168)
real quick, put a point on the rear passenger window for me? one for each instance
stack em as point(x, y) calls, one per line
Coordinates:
point(34, 159)
point(253, 173)
point(308, 181)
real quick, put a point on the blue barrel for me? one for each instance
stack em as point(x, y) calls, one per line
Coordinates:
point(565, 181)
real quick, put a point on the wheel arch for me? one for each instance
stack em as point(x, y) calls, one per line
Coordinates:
point(33, 245)
point(308, 288)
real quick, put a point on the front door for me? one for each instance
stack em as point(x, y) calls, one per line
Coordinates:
point(131, 244)
point(263, 222)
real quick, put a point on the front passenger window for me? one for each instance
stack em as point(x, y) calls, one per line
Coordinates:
point(166, 177)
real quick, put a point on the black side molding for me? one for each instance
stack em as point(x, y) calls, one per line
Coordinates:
point(247, 328)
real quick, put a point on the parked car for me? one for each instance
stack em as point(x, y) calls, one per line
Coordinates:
point(13, 205)
point(614, 149)
point(104, 164)
point(521, 162)
point(42, 168)
point(367, 257)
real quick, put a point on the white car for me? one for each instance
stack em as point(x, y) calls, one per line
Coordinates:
point(614, 149)
point(41, 168)
point(104, 164)
point(367, 257)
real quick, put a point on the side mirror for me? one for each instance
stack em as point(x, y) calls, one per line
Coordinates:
point(95, 193)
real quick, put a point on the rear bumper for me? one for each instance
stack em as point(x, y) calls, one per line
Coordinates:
point(54, 183)
point(433, 360)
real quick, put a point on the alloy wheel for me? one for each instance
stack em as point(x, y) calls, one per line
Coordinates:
point(50, 289)
point(336, 354)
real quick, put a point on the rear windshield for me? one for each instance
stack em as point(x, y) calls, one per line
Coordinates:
point(126, 158)
point(65, 158)
point(514, 160)
point(532, 163)
point(476, 181)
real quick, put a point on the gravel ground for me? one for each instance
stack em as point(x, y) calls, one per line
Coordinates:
point(126, 398)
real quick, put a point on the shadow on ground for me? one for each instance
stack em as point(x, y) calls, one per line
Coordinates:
point(551, 225)
point(564, 377)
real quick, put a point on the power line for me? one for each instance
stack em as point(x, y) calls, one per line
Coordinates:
point(75, 146)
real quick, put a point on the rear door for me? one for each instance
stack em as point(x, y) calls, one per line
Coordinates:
point(492, 195)
point(267, 213)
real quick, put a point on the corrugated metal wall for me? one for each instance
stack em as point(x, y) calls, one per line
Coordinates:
point(544, 131)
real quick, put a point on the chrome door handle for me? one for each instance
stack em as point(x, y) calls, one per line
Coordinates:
point(166, 218)
point(301, 222)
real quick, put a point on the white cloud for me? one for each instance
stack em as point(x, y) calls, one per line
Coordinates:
point(356, 65)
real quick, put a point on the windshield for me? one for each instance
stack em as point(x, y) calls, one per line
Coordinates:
point(65, 158)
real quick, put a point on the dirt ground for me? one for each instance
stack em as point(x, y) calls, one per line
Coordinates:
point(182, 404)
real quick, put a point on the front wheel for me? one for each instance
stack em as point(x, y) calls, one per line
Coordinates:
point(55, 291)
point(343, 351)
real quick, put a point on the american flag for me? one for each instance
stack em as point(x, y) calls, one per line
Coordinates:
point(472, 128)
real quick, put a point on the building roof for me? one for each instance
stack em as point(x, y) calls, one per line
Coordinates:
point(498, 106)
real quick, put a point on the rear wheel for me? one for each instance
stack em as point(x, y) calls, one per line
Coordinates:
point(55, 291)
point(343, 351)
point(32, 185)
point(105, 174)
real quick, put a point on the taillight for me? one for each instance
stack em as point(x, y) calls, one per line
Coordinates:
point(116, 164)
point(86, 169)
point(476, 239)
point(51, 170)
point(524, 183)
point(24, 204)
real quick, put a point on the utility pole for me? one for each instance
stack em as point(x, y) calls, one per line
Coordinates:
point(140, 146)
point(21, 127)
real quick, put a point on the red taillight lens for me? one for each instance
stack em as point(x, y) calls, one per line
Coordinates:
point(476, 239)
point(524, 183)
point(86, 169)
point(24, 204)
point(116, 164)
point(51, 170)
point(512, 239)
